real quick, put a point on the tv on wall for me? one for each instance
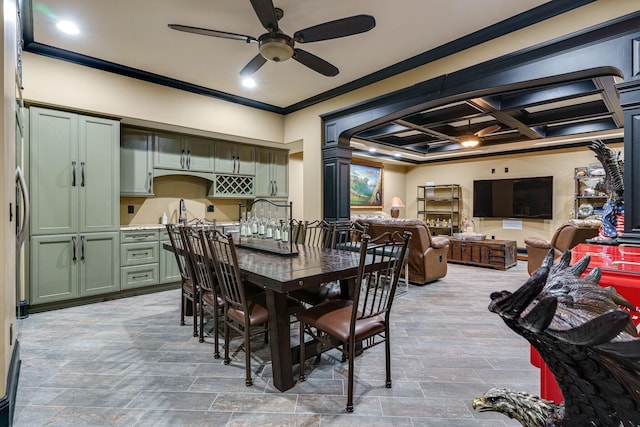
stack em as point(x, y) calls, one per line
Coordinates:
point(530, 198)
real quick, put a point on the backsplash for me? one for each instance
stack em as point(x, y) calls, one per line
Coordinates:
point(168, 191)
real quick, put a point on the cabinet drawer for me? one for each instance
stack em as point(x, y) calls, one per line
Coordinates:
point(134, 236)
point(138, 253)
point(164, 236)
point(139, 276)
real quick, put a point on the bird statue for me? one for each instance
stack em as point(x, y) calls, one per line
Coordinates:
point(585, 335)
point(613, 186)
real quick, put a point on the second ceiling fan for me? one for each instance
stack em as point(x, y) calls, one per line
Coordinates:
point(276, 46)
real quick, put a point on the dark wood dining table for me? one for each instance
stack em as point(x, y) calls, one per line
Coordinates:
point(281, 273)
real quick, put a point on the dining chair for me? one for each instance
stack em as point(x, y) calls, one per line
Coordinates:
point(189, 293)
point(316, 234)
point(362, 320)
point(241, 312)
point(209, 299)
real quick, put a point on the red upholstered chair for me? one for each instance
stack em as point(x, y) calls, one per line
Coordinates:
point(365, 317)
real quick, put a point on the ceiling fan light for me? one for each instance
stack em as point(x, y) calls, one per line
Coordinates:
point(469, 142)
point(276, 49)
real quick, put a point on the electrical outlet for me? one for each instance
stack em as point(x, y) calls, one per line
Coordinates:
point(130, 209)
point(493, 170)
point(209, 208)
point(506, 170)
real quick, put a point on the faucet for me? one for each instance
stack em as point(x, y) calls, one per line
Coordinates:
point(182, 208)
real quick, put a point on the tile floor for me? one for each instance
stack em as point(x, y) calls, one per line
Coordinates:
point(128, 363)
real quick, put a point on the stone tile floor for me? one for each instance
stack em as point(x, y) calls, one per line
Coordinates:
point(127, 362)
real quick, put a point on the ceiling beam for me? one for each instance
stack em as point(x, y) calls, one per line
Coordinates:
point(505, 118)
point(426, 130)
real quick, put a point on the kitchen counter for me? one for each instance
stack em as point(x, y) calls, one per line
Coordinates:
point(133, 227)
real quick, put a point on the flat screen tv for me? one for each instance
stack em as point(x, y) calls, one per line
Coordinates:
point(530, 198)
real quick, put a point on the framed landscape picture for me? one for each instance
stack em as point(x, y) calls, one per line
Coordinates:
point(366, 186)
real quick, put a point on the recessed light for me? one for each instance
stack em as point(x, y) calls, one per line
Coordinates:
point(397, 155)
point(68, 27)
point(248, 82)
point(372, 150)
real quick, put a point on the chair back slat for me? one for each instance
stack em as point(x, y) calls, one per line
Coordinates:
point(346, 235)
point(197, 255)
point(317, 234)
point(225, 261)
point(381, 262)
point(176, 243)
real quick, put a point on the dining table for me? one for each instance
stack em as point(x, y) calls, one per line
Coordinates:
point(280, 268)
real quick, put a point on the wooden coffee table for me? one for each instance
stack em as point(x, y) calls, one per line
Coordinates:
point(499, 254)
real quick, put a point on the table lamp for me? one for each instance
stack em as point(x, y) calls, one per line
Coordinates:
point(396, 202)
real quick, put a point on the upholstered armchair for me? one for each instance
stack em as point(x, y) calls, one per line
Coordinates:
point(427, 254)
point(570, 234)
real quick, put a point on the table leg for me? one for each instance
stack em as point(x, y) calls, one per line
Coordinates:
point(280, 337)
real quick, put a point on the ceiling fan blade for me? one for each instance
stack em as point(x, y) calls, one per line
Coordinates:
point(485, 131)
point(315, 63)
point(266, 14)
point(253, 65)
point(334, 29)
point(212, 33)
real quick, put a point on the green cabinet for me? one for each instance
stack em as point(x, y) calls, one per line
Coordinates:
point(75, 205)
point(272, 173)
point(180, 152)
point(169, 271)
point(233, 158)
point(67, 266)
point(144, 260)
point(136, 163)
point(74, 173)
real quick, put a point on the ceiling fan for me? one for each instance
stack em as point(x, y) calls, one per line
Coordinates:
point(276, 46)
point(473, 139)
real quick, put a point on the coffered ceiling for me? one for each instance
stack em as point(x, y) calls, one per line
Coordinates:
point(133, 38)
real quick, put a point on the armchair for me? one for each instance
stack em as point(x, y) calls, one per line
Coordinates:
point(569, 234)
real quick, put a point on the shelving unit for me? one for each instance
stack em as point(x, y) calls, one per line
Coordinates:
point(587, 200)
point(439, 207)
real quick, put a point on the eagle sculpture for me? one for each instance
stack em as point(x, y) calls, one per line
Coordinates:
point(613, 186)
point(585, 335)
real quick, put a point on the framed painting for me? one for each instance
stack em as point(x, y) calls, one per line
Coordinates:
point(366, 186)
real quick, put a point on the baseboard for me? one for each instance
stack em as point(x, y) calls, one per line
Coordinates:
point(8, 402)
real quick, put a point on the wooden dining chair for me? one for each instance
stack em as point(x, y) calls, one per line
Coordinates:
point(241, 312)
point(209, 299)
point(316, 234)
point(189, 293)
point(363, 319)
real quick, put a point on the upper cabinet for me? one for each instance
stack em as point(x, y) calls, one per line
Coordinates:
point(180, 152)
point(272, 173)
point(136, 163)
point(234, 158)
point(74, 175)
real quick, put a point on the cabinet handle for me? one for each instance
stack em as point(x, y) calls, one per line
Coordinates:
point(81, 174)
point(82, 244)
point(150, 183)
point(188, 159)
point(74, 242)
point(237, 164)
point(141, 276)
point(182, 160)
point(73, 173)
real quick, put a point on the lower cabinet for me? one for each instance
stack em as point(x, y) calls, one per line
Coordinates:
point(144, 260)
point(68, 266)
point(169, 271)
point(500, 254)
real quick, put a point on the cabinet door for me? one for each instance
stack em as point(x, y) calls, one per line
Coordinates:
point(136, 163)
point(263, 182)
point(53, 271)
point(199, 154)
point(280, 173)
point(225, 157)
point(246, 159)
point(54, 171)
point(169, 151)
point(169, 271)
point(99, 179)
point(99, 263)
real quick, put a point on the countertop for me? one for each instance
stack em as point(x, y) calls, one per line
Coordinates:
point(133, 227)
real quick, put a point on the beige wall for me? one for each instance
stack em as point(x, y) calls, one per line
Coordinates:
point(560, 164)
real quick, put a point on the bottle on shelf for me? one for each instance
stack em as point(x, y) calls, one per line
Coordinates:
point(468, 226)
